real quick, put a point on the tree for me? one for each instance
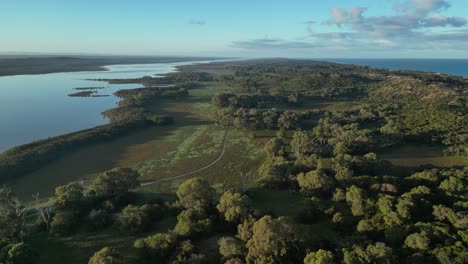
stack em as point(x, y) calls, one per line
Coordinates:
point(106, 255)
point(70, 195)
point(63, 223)
point(374, 253)
point(274, 176)
point(301, 144)
point(186, 253)
point(157, 246)
point(22, 253)
point(137, 219)
point(356, 197)
point(315, 182)
point(288, 120)
point(230, 247)
point(343, 173)
point(192, 221)
point(234, 207)
point(45, 213)
point(273, 241)
point(244, 230)
point(274, 148)
point(115, 183)
point(452, 185)
point(11, 216)
point(98, 218)
point(195, 192)
point(319, 257)
point(417, 241)
point(404, 207)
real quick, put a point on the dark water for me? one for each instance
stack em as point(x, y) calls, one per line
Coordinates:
point(448, 66)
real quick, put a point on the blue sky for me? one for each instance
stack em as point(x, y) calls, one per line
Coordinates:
point(254, 28)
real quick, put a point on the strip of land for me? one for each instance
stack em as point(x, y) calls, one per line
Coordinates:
point(43, 65)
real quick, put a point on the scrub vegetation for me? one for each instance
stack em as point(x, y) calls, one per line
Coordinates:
point(302, 162)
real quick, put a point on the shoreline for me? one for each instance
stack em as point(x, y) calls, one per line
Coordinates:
point(90, 92)
point(59, 64)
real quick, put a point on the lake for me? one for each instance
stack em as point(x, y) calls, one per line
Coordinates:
point(35, 107)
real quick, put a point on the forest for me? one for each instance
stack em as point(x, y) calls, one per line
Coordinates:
point(320, 193)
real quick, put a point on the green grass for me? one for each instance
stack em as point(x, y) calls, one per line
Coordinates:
point(242, 155)
point(413, 155)
point(279, 202)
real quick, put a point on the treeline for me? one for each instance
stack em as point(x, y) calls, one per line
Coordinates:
point(254, 100)
point(257, 118)
point(29, 157)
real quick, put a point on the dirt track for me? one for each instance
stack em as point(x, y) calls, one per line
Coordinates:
point(210, 164)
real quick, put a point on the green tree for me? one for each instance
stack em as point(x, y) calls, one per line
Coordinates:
point(272, 241)
point(319, 257)
point(274, 148)
point(186, 253)
point(315, 182)
point(244, 230)
point(453, 185)
point(70, 196)
point(63, 223)
point(106, 255)
point(21, 253)
point(230, 247)
point(195, 192)
point(288, 120)
point(115, 183)
point(158, 246)
point(192, 221)
point(301, 144)
point(374, 253)
point(417, 241)
point(136, 219)
point(234, 207)
point(356, 197)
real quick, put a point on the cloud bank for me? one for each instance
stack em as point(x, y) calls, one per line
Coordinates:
point(413, 24)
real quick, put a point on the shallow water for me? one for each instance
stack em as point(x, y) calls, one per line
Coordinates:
point(35, 107)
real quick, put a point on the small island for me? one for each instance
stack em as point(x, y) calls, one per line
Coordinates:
point(87, 94)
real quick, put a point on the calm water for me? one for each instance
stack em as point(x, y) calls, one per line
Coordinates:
point(449, 66)
point(38, 106)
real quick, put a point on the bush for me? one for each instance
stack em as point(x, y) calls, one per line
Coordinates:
point(63, 223)
point(106, 256)
point(137, 219)
point(98, 219)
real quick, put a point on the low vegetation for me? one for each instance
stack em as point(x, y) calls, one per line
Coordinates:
point(317, 192)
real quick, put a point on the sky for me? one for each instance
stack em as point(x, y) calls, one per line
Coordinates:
point(241, 28)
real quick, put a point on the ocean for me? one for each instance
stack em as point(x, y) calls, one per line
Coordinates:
point(448, 66)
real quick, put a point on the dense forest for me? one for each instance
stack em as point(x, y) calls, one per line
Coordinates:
point(353, 205)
